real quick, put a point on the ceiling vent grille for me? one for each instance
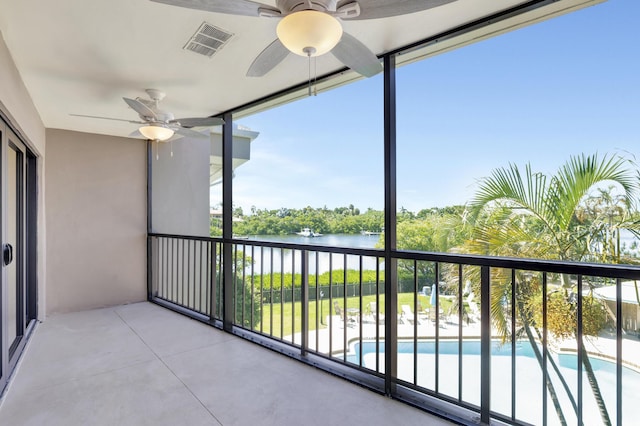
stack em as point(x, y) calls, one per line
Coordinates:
point(207, 40)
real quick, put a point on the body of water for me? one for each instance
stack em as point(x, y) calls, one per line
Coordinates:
point(268, 259)
point(331, 240)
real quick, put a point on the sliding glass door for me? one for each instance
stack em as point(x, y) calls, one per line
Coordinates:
point(14, 312)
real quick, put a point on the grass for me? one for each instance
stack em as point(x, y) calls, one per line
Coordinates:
point(280, 320)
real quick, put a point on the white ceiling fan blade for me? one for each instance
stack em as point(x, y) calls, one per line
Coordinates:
point(268, 59)
point(198, 122)
point(140, 108)
point(373, 9)
point(188, 132)
point(231, 7)
point(351, 52)
point(107, 118)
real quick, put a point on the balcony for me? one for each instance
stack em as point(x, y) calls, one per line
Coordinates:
point(443, 350)
point(77, 367)
point(101, 232)
point(143, 364)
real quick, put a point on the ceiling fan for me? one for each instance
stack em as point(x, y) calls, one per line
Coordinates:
point(160, 125)
point(312, 27)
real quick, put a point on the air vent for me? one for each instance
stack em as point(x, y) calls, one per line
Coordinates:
point(207, 40)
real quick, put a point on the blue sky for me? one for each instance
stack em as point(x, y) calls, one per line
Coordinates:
point(538, 95)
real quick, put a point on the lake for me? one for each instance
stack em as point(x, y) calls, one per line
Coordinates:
point(284, 260)
point(331, 240)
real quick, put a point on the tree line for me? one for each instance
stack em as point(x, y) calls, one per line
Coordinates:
point(284, 221)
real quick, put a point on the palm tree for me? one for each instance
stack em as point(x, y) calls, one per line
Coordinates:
point(527, 214)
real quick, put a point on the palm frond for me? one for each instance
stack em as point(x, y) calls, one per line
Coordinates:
point(508, 186)
point(579, 175)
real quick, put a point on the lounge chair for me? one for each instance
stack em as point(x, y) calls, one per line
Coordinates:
point(340, 313)
point(473, 306)
point(378, 318)
point(407, 314)
point(422, 313)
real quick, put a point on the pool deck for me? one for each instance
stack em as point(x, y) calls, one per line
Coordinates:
point(603, 346)
point(425, 328)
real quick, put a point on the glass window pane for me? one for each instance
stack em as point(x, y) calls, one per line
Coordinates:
point(316, 170)
point(546, 103)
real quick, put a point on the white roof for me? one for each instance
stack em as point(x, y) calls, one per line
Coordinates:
point(628, 292)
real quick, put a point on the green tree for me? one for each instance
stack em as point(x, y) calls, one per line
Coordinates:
point(283, 221)
point(247, 303)
point(435, 232)
point(540, 216)
point(215, 226)
point(606, 214)
point(528, 214)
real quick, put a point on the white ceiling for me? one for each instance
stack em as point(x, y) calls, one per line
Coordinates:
point(83, 56)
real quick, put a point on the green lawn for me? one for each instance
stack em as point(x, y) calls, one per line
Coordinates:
point(291, 313)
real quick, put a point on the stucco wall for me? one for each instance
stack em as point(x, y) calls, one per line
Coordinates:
point(17, 104)
point(180, 187)
point(96, 220)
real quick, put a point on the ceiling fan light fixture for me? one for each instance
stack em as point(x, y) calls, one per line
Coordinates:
point(309, 32)
point(156, 133)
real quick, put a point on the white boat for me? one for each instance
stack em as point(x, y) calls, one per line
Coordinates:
point(306, 232)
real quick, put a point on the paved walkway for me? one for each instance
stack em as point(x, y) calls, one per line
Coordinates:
point(331, 339)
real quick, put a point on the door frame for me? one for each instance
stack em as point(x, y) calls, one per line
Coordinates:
point(10, 352)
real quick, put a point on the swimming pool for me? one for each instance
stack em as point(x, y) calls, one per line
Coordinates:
point(528, 377)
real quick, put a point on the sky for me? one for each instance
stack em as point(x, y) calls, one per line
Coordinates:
point(540, 94)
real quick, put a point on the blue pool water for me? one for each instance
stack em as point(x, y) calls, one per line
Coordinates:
point(447, 347)
point(528, 376)
point(472, 347)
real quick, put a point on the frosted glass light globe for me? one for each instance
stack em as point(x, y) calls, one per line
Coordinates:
point(156, 133)
point(309, 29)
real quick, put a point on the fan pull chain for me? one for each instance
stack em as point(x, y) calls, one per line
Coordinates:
point(309, 74)
point(157, 152)
point(171, 142)
point(309, 51)
point(315, 76)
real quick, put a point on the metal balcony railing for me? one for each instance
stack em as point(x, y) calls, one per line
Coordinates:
point(477, 338)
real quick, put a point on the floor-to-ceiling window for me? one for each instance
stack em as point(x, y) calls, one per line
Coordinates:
point(486, 131)
point(316, 170)
point(518, 147)
point(315, 177)
point(525, 145)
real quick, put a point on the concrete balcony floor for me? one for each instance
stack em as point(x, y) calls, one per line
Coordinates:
point(142, 364)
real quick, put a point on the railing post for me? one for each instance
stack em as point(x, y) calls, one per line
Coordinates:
point(227, 224)
point(391, 264)
point(619, 352)
point(545, 352)
point(485, 345)
point(149, 223)
point(151, 267)
point(580, 347)
point(305, 301)
point(212, 258)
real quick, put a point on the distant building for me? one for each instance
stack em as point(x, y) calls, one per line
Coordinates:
point(630, 307)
